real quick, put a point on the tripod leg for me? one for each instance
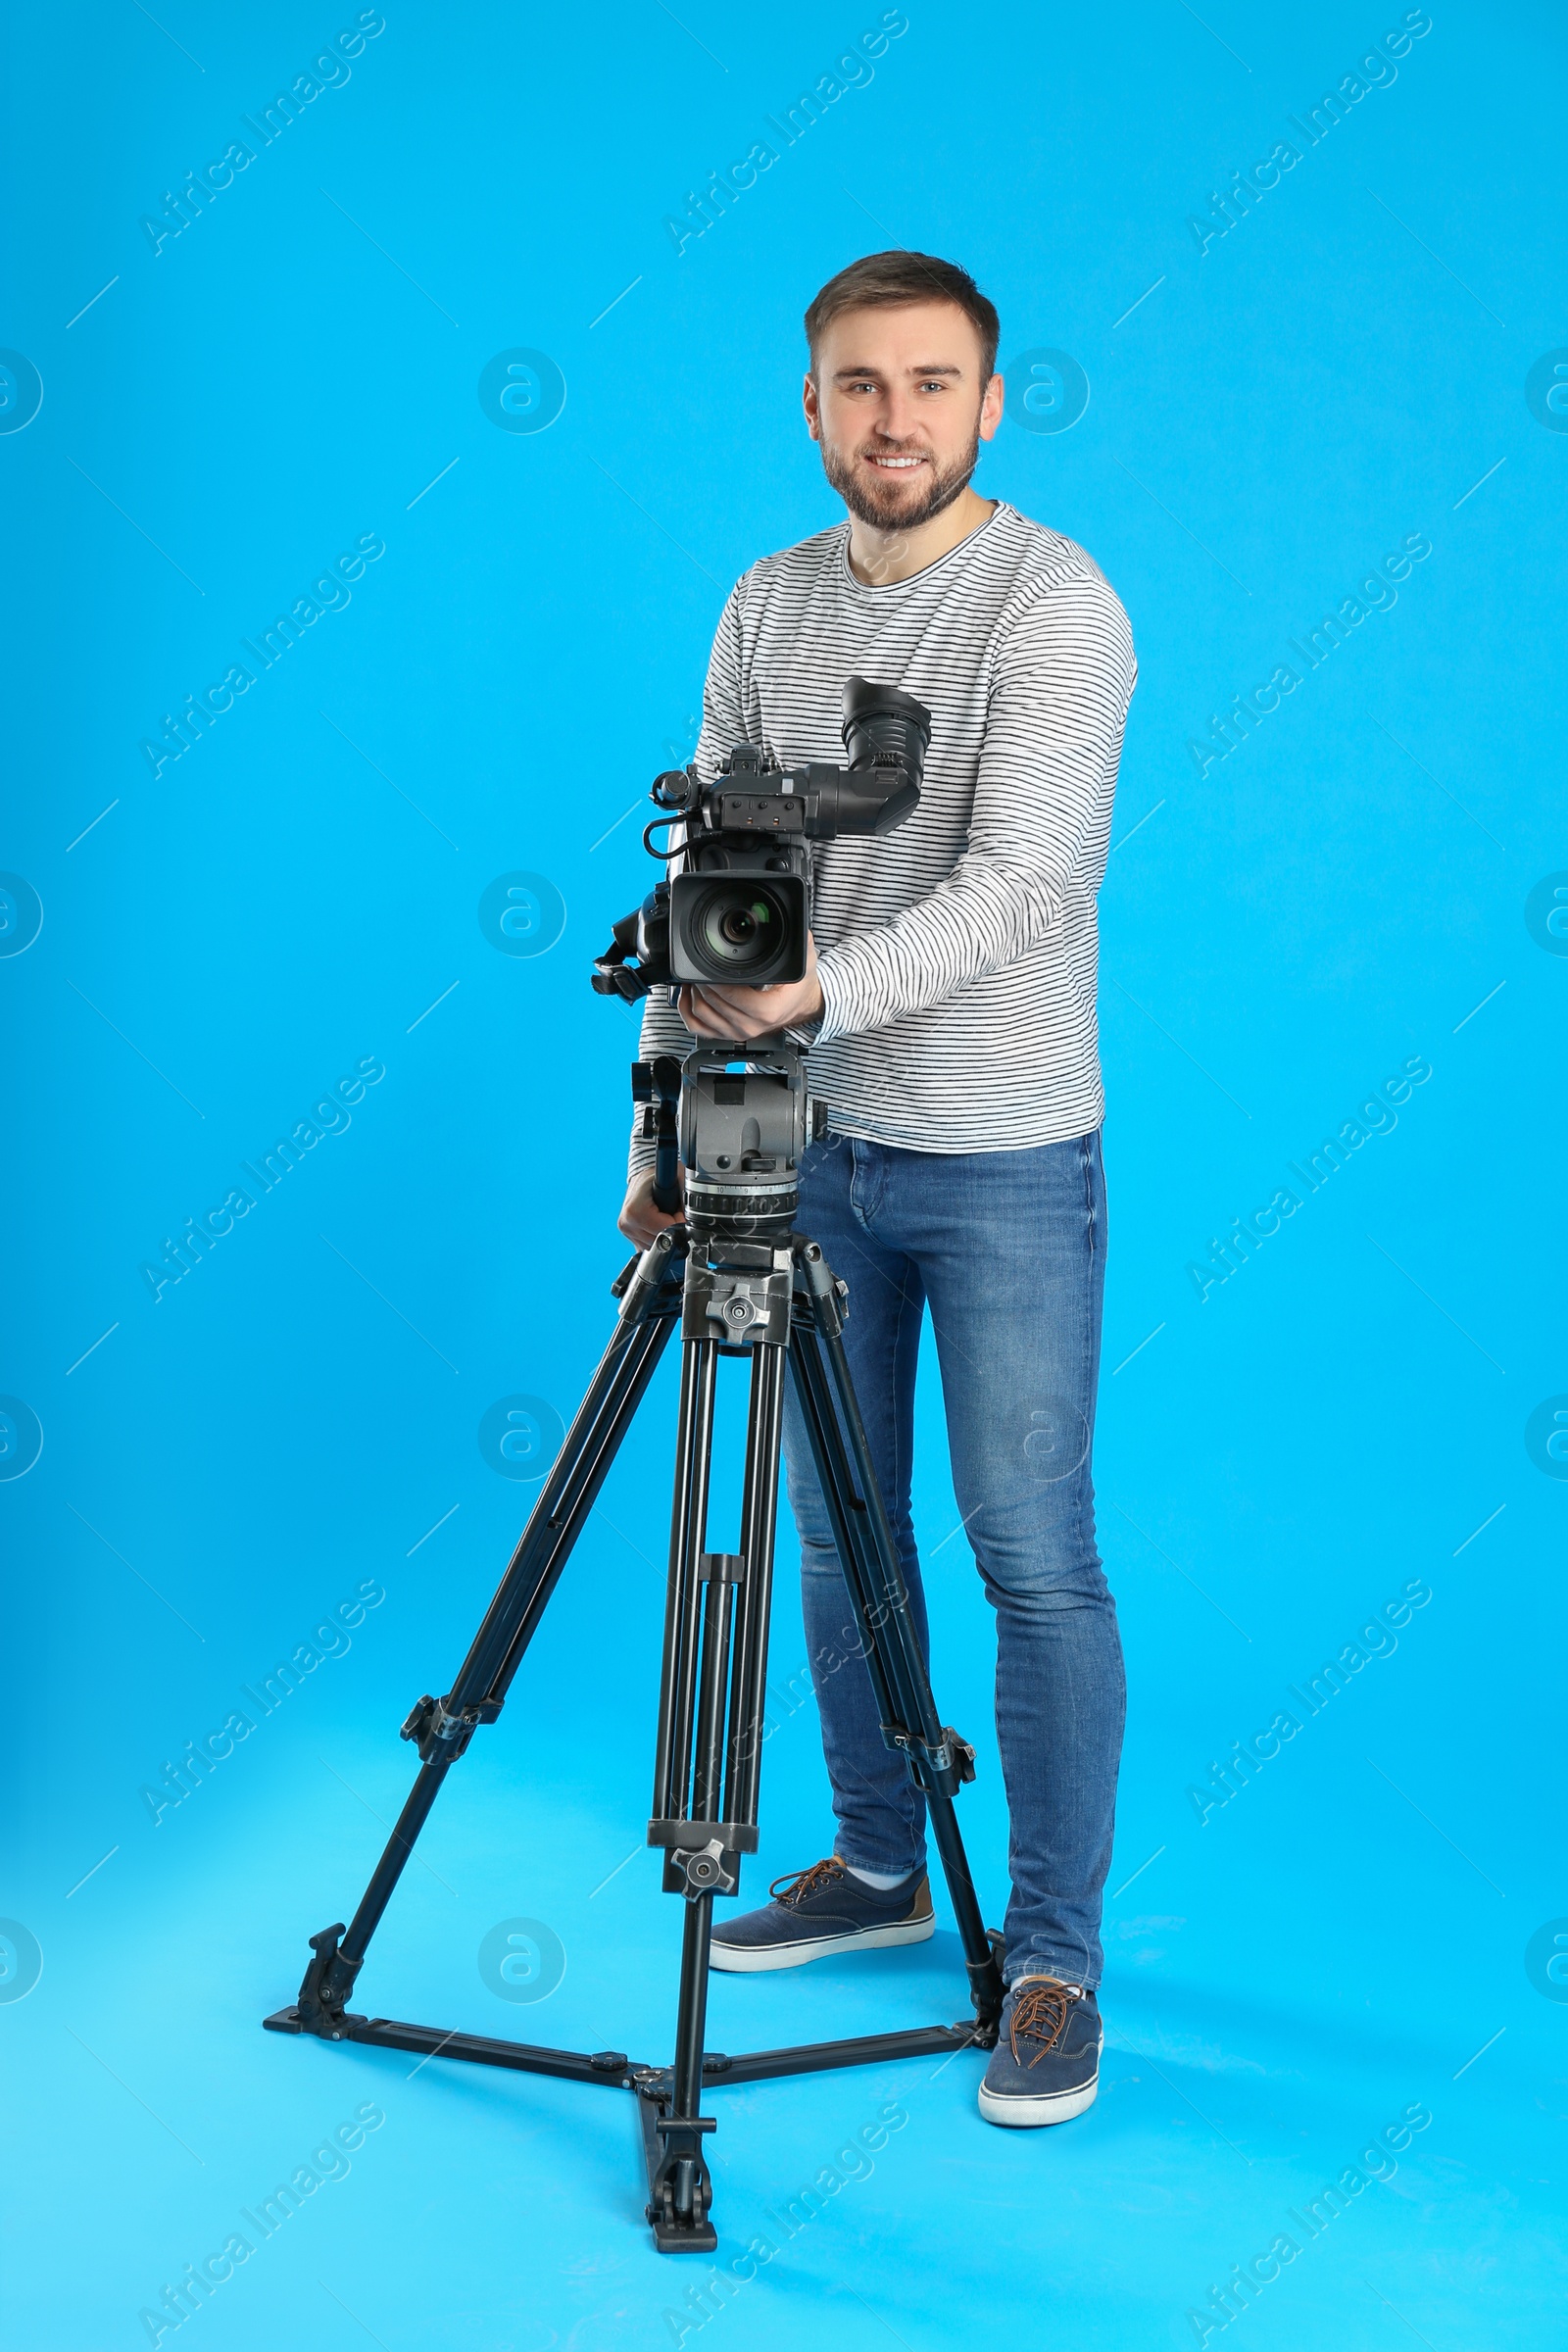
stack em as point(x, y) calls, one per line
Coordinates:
point(694, 1432)
point(939, 1761)
point(754, 1609)
point(442, 1728)
point(707, 1776)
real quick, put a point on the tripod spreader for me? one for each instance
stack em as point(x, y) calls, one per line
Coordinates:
point(741, 1285)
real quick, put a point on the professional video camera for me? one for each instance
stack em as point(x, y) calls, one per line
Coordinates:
point(741, 908)
point(736, 1279)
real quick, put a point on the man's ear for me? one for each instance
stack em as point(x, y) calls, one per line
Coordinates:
point(990, 408)
point(812, 406)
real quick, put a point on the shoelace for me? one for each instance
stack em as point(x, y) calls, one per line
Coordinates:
point(796, 1887)
point(1040, 2013)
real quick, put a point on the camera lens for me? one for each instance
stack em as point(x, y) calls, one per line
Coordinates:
point(738, 926)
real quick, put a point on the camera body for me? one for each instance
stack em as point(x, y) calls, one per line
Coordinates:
point(741, 906)
point(739, 912)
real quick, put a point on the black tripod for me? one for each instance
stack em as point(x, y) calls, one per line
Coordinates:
point(742, 1283)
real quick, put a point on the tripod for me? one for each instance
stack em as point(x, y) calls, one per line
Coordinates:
point(741, 1283)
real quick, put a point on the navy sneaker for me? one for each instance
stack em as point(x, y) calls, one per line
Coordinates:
point(821, 1910)
point(1046, 2065)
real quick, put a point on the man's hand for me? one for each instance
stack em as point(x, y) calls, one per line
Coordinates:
point(743, 1012)
point(640, 1218)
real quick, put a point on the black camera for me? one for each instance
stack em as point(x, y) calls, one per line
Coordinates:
point(740, 909)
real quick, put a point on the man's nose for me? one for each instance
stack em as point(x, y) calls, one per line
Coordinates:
point(896, 417)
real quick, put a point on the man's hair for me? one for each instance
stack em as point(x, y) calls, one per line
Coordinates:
point(897, 279)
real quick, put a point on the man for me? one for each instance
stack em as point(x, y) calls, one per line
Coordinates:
point(949, 1003)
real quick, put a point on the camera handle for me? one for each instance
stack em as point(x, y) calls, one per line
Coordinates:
point(656, 1085)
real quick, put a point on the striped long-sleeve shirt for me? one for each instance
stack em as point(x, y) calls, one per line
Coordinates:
point(956, 954)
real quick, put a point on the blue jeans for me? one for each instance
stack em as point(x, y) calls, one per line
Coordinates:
point(1009, 1251)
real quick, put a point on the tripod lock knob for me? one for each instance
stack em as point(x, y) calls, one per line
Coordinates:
point(706, 1869)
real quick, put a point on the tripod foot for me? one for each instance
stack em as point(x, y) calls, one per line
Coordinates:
point(986, 1991)
point(328, 1982)
point(680, 2186)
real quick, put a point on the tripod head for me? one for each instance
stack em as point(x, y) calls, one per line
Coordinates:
point(737, 1117)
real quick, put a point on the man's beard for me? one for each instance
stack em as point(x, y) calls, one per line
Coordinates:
point(889, 515)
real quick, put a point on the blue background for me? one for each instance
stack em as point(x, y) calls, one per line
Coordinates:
point(300, 890)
